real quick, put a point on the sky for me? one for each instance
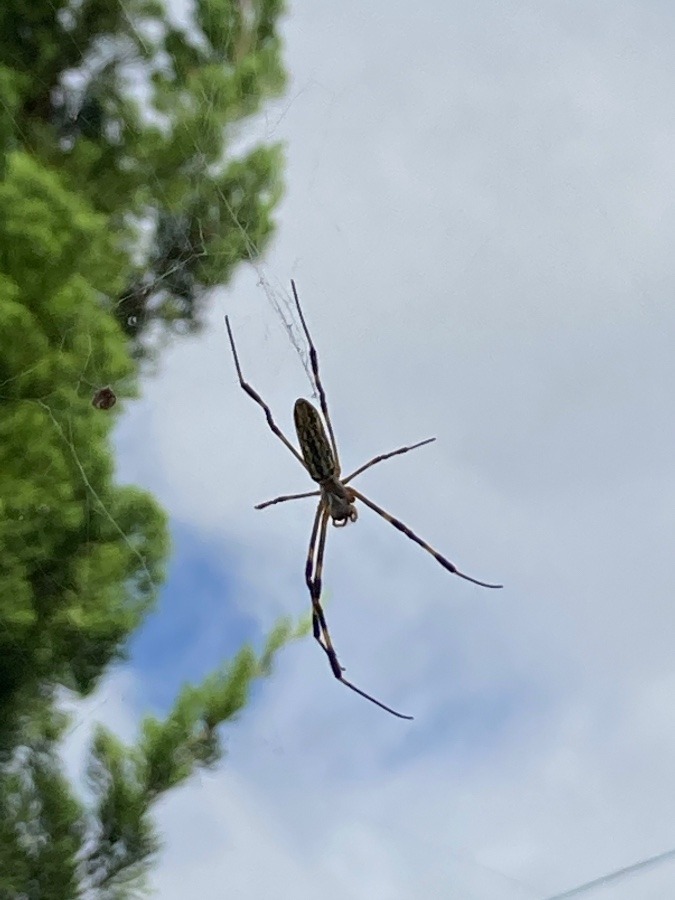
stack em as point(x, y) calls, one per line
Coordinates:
point(479, 218)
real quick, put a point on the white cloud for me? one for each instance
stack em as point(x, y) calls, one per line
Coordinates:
point(478, 216)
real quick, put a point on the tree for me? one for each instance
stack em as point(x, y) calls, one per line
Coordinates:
point(54, 846)
point(81, 560)
point(140, 115)
point(80, 556)
point(119, 208)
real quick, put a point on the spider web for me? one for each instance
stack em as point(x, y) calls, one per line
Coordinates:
point(90, 380)
point(278, 298)
point(105, 706)
point(260, 128)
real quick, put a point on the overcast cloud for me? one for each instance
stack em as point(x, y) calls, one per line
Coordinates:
point(479, 216)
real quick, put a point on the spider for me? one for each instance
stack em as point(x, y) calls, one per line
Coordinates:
point(104, 398)
point(321, 461)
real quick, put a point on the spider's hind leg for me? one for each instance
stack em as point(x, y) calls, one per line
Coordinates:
point(409, 533)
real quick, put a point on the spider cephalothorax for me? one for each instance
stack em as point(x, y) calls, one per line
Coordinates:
point(340, 502)
point(336, 500)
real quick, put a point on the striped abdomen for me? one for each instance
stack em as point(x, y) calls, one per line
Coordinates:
point(316, 450)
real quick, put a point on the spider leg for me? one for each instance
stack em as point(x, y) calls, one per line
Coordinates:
point(259, 400)
point(317, 543)
point(383, 456)
point(286, 497)
point(451, 567)
point(319, 626)
point(314, 362)
point(318, 619)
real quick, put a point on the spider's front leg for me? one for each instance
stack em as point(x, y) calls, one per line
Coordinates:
point(254, 395)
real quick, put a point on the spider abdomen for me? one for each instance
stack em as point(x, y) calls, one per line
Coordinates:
point(314, 445)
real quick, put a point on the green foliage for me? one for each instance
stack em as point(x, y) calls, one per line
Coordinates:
point(146, 136)
point(125, 781)
point(80, 562)
point(80, 557)
point(40, 827)
point(121, 203)
point(53, 845)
